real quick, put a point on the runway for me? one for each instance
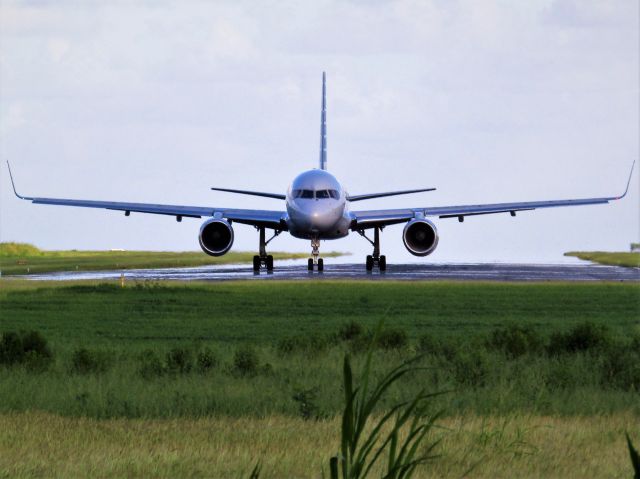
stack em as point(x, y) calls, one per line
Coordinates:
point(297, 270)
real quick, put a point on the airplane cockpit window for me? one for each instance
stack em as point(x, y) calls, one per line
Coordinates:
point(302, 193)
point(319, 194)
point(325, 194)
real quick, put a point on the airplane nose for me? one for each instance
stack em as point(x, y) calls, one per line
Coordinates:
point(323, 218)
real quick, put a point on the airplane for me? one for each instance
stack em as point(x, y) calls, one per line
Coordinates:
point(317, 207)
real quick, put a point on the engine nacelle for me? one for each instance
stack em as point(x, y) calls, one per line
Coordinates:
point(420, 237)
point(216, 237)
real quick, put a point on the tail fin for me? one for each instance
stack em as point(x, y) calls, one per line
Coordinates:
point(323, 126)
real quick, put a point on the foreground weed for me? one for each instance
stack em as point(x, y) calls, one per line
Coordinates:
point(360, 452)
point(255, 473)
point(635, 458)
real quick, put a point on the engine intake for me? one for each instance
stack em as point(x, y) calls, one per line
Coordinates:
point(216, 237)
point(420, 237)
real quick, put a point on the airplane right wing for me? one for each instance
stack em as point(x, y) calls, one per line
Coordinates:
point(377, 218)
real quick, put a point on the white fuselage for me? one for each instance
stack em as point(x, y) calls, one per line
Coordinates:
point(317, 206)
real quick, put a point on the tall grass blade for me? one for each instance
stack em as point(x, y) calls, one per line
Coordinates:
point(333, 467)
point(255, 473)
point(635, 458)
point(361, 453)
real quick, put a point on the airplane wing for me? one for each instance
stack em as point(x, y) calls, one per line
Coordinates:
point(377, 218)
point(268, 219)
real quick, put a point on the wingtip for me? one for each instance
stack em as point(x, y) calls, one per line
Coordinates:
point(626, 190)
point(13, 185)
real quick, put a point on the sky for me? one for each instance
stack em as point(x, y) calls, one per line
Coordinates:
point(157, 101)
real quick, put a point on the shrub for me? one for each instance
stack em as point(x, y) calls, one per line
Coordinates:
point(427, 344)
point(11, 351)
point(583, 337)
point(470, 367)
point(307, 406)
point(206, 361)
point(179, 361)
point(392, 339)
point(245, 361)
point(151, 365)
point(28, 348)
point(84, 361)
point(515, 340)
point(621, 368)
point(302, 344)
point(350, 331)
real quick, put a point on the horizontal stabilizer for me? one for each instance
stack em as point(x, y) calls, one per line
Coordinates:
point(388, 193)
point(252, 193)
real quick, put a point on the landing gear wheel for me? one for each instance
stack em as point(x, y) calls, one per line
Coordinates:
point(269, 263)
point(256, 264)
point(382, 263)
point(310, 264)
point(369, 263)
point(320, 264)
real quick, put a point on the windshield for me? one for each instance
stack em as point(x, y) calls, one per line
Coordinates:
point(319, 194)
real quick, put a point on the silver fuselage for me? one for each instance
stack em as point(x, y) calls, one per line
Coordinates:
point(317, 206)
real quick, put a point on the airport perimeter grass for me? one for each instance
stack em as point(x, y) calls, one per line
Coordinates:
point(23, 259)
point(608, 258)
point(291, 330)
point(127, 394)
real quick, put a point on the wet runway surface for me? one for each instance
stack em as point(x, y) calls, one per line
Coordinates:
point(297, 270)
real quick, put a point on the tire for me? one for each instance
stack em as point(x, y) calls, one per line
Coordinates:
point(256, 264)
point(382, 263)
point(310, 264)
point(320, 264)
point(269, 263)
point(369, 263)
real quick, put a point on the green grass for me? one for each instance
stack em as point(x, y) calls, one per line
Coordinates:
point(22, 259)
point(608, 258)
point(133, 329)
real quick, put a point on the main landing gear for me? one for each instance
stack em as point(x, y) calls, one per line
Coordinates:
point(315, 252)
point(375, 259)
point(264, 260)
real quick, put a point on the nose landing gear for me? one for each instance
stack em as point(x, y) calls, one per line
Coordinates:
point(375, 259)
point(315, 252)
point(264, 260)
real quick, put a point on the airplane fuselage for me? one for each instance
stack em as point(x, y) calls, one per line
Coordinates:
point(317, 206)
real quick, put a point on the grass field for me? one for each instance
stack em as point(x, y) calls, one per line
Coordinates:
point(608, 258)
point(37, 444)
point(204, 379)
point(21, 259)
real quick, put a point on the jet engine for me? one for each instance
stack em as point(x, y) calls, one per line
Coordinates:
point(420, 237)
point(216, 237)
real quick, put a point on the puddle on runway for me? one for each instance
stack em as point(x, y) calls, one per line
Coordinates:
point(297, 270)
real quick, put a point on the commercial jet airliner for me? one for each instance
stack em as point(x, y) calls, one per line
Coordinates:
point(317, 208)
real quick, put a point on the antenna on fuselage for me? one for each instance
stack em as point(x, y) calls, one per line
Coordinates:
point(323, 125)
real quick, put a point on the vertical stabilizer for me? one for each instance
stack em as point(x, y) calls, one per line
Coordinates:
point(323, 125)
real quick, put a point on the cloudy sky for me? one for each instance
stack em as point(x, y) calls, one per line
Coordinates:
point(158, 101)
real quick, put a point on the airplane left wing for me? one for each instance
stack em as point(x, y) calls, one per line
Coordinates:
point(268, 219)
point(377, 218)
